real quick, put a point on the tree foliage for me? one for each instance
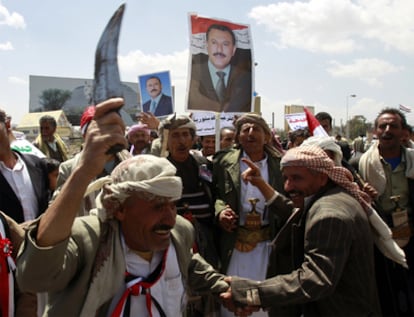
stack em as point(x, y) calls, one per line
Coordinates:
point(54, 99)
point(358, 126)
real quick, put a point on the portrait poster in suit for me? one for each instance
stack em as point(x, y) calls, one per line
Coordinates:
point(220, 66)
point(156, 96)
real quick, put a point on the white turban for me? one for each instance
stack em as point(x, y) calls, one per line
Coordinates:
point(140, 173)
point(326, 143)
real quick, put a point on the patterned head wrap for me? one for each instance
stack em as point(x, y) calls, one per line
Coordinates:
point(141, 173)
point(326, 143)
point(257, 119)
point(314, 158)
point(170, 123)
point(174, 122)
point(139, 127)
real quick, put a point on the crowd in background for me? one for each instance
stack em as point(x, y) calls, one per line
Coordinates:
point(237, 197)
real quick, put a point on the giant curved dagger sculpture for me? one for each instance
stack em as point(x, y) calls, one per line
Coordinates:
point(107, 82)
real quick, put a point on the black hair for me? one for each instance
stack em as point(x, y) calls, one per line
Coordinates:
point(47, 118)
point(393, 111)
point(323, 116)
point(223, 28)
point(51, 164)
point(153, 77)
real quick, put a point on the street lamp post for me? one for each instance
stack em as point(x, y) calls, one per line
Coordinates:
point(347, 117)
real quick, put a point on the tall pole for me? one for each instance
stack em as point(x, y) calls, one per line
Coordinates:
point(347, 117)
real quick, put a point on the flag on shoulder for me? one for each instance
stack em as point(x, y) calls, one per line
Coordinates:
point(405, 108)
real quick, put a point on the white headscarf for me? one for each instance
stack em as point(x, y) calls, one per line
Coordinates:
point(141, 173)
point(326, 143)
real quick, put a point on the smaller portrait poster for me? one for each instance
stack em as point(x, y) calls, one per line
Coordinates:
point(156, 93)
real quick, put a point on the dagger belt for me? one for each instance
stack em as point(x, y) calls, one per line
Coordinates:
point(247, 239)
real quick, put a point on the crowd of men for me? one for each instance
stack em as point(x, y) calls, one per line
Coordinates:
point(165, 228)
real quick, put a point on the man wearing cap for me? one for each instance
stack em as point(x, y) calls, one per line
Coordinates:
point(133, 257)
point(139, 138)
point(247, 220)
point(196, 204)
point(322, 259)
point(23, 179)
point(66, 168)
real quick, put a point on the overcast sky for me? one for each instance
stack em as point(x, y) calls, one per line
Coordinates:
point(315, 52)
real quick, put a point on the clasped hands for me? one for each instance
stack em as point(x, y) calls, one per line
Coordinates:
point(238, 309)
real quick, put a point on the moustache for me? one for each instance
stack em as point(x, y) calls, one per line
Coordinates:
point(387, 136)
point(219, 54)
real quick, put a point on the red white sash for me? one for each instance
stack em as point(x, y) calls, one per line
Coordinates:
point(7, 266)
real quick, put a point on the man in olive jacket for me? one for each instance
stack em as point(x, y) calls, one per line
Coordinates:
point(244, 236)
point(132, 254)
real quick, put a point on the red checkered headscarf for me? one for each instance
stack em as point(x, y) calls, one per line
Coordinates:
point(314, 158)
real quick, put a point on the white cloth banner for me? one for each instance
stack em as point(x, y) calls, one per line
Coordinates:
point(205, 121)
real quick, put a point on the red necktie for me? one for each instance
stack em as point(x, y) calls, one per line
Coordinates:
point(137, 285)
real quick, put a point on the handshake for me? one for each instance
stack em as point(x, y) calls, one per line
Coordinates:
point(242, 307)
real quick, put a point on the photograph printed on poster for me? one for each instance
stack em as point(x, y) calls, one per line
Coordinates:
point(220, 66)
point(156, 94)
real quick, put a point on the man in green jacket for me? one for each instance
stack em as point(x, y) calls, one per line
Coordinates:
point(245, 234)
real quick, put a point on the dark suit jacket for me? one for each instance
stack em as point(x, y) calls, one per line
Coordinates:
point(321, 264)
point(10, 203)
point(203, 96)
point(164, 106)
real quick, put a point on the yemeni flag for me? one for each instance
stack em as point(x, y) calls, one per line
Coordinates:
point(314, 126)
point(405, 108)
point(199, 26)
